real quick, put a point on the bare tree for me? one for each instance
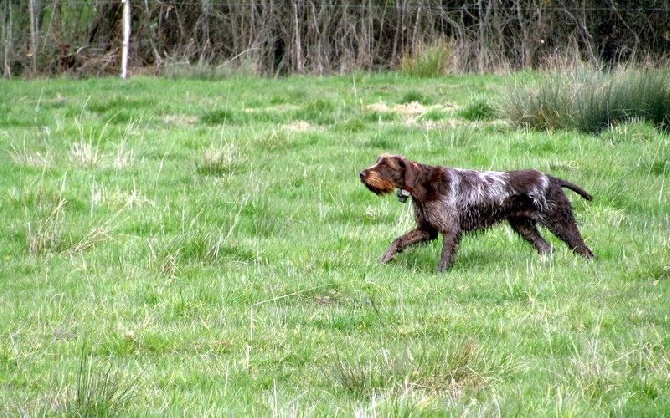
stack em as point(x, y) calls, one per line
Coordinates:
point(307, 36)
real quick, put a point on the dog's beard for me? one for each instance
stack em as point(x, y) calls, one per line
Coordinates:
point(378, 185)
point(376, 190)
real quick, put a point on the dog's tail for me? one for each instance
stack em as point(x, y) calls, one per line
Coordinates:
point(583, 193)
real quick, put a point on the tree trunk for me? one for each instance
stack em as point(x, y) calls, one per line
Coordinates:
point(7, 30)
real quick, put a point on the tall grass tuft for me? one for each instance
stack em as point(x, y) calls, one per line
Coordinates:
point(478, 110)
point(220, 159)
point(44, 235)
point(99, 392)
point(590, 101)
point(428, 60)
point(84, 154)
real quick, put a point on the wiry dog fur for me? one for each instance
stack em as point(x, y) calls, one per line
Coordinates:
point(453, 201)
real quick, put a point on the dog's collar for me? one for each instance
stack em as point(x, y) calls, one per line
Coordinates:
point(403, 195)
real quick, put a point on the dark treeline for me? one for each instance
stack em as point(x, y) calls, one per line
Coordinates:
point(84, 37)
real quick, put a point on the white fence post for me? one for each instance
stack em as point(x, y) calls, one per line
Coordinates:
point(126, 38)
point(34, 25)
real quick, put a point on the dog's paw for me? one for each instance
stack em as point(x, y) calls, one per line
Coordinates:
point(386, 258)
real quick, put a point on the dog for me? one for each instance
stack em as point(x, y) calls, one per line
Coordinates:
point(454, 201)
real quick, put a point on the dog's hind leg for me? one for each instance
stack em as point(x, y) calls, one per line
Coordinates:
point(527, 229)
point(562, 224)
point(567, 231)
point(449, 248)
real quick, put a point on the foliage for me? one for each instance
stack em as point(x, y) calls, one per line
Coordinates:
point(217, 39)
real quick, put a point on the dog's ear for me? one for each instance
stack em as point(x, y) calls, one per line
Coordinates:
point(410, 173)
point(412, 178)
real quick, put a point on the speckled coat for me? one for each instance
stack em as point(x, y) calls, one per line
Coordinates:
point(453, 201)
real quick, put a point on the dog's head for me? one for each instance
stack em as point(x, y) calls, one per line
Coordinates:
point(388, 173)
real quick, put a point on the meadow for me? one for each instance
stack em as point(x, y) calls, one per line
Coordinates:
point(204, 247)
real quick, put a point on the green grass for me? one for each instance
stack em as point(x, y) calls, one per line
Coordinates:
point(478, 109)
point(209, 243)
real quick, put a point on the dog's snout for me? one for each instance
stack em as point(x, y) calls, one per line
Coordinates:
point(362, 175)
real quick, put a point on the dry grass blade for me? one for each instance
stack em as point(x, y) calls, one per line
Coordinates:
point(84, 154)
point(32, 159)
point(48, 233)
point(97, 235)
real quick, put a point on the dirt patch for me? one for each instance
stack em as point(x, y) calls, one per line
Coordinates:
point(298, 126)
point(181, 120)
point(410, 109)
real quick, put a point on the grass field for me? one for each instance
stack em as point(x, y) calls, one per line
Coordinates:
point(205, 248)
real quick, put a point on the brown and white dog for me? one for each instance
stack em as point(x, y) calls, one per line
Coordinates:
point(453, 201)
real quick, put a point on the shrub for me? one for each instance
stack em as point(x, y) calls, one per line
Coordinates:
point(428, 60)
point(593, 101)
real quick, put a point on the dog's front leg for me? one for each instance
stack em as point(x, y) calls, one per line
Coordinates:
point(415, 236)
point(449, 247)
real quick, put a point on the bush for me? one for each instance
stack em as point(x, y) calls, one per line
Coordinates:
point(428, 60)
point(593, 101)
